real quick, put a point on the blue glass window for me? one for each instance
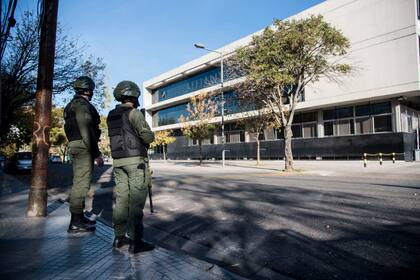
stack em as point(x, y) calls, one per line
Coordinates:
point(346, 112)
point(363, 110)
point(205, 79)
point(339, 113)
point(170, 115)
point(196, 82)
point(231, 103)
point(305, 117)
point(381, 108)
point(329, 114)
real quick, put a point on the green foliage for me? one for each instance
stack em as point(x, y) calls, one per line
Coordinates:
point(19, 133)
point(104, 144)
point(285, 58)
point(196, 125)
point(163, 137)
point(20, 65)
point(294, 50)
point(94, 68)
point(58, 139)
point(8, 150)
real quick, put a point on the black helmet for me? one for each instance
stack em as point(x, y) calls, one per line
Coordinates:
point(84, 83)
point(126, 88)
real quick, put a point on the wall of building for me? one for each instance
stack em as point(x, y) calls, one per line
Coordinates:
point(384, 37)
point(384, 53)
point(342, 147)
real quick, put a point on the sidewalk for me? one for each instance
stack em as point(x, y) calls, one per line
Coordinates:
point(334, 168)
point(41, 248)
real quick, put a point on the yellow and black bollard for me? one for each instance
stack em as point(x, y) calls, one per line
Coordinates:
point(364, 160)
point(393, 157)
point(380, 158)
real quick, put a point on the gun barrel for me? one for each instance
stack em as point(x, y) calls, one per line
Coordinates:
point(150, 200)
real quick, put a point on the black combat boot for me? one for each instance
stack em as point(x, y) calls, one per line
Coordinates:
point(77, 224)
point(120, 241)
point(86, 218)
point(137, 246)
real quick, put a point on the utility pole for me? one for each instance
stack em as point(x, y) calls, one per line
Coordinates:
point(37, 200)
point(201, 46)
point(6, 24)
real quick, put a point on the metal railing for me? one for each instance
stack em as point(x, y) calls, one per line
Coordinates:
point(380, 157)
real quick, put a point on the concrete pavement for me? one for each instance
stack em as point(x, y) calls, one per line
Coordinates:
point(40, 248)
point(330, 220)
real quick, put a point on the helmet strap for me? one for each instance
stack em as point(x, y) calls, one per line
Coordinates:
point(87, 93)
point(132, 100)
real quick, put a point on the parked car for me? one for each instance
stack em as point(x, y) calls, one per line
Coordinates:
point(21, 161)
point(2, 160)
point(55, 159)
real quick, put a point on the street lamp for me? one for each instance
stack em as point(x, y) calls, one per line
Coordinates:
point(201, 46)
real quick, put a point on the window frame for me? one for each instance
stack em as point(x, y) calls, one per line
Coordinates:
point(310, 123)
point(371, 116)
point(381, 115)
point(418, 9)
point(368, 117)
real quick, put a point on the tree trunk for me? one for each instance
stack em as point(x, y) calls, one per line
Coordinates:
point(258, 150)
point(288, 155)
point(201, 154)
point(164, 153)
point(37, 198)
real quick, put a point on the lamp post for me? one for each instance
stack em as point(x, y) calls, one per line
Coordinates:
point(201, 46)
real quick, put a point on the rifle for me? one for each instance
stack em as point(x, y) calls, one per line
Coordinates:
point(149, 186)
point(149, 183)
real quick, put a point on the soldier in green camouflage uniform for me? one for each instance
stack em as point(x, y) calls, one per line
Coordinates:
point(82, 130)
point(130, 136)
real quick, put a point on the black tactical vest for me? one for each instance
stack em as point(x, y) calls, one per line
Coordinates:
point(124, 140)
point(72, 128)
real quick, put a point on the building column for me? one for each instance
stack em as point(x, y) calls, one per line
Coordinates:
point(147, 101)
point(247, 137)
point(396, 113)
point(320, 124)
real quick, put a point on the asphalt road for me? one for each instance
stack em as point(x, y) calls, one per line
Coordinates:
point(264, 224)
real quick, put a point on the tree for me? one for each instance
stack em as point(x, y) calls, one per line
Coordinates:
point(58, 137)
point(59, 141)
point(19, 133)
point(94, 68)
point(163, 138)
point(7, 21)
point(255, 117)
point(284, 59)
point(18, 71)
point(104, 143)
point(196, 125)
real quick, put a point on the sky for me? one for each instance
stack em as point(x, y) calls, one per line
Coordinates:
point(140, 39)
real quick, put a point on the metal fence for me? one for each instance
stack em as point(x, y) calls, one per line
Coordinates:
point(342, 147)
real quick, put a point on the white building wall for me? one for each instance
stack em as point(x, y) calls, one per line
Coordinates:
point(384, 53)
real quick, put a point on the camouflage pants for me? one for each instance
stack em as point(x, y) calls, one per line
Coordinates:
point(130, 196)
point(82, 177)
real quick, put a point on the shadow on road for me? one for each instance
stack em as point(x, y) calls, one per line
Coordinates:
point(301, 233)
point(60, 177)
point(297, 228)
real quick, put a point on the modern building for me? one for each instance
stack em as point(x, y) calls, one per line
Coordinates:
point(376, 109)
